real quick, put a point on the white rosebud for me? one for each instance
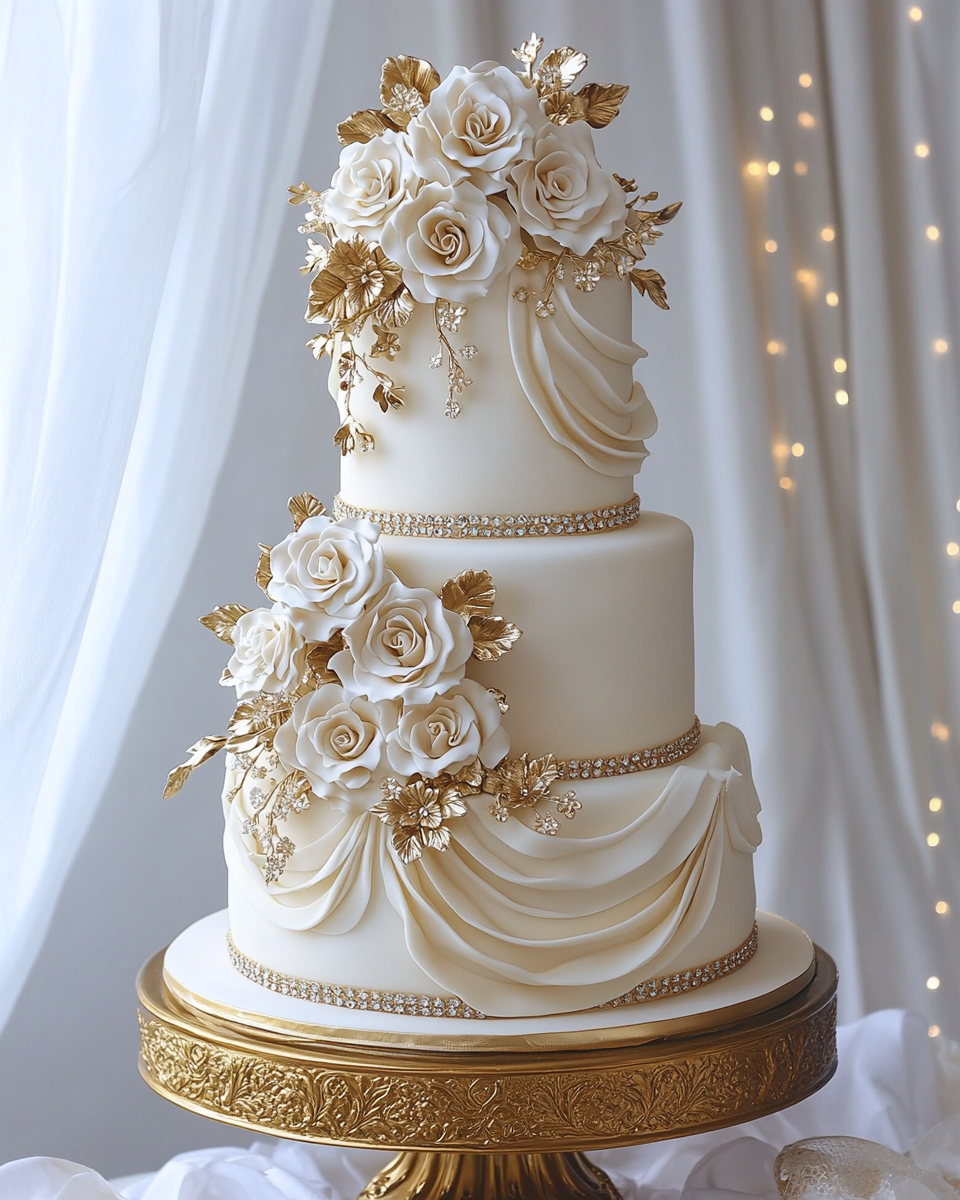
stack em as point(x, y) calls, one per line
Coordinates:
point(455, 728)
point(562, 194)
point(451, 242)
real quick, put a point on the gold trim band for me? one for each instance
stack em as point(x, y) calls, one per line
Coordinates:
point(459, 525)
point(640, 760)
point(453, 1006)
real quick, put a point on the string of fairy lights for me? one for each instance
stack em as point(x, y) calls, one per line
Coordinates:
point(785, 451)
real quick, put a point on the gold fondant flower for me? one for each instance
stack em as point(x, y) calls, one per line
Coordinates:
point(417, 813)
point(357, 277)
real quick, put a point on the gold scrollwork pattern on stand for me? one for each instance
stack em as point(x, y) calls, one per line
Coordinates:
point(583, 1100)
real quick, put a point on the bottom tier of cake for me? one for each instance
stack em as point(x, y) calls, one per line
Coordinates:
point(653, 879)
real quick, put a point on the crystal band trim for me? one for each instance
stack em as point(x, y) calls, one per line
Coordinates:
point(400, 524)
point(640, 760)
point(453, 1006)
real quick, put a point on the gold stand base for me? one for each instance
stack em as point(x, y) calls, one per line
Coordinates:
point(489, 1125)
point(484, 1176)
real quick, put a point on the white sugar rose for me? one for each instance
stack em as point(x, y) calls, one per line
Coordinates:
point(325, 573)
point(408, 647)
point(372, 179)
point(268, 654)
point(476, 125)
point(451, 731)
point(562, 193)
point(334, 739)
point(451, 242)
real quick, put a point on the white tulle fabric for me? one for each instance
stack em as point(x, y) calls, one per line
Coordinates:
point(516, 923)
point(892, 1088)
point(556, 360)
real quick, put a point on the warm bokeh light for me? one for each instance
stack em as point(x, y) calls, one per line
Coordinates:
point(940, 731)
point(921, 150)
point(956, 606)
point(933, 839)
point(806, 277)
point(797, 449)
point(839, 365)
point(755, 168)
point(942, 907)
point(953, 549)
point(941, 346)
point(933, 1031)
point(832, 299)
point(933, 233)
point(806, 80)
point(770, 246)
point(843, 397)
point(766, 113)
point(775, 347)
point(933, 983)
point(806, 120)
point(935, 804)
point(773, 168)
point(781, 449)
point(787, 483)
point(799, 168)
point(915, 12)
point(827, 233)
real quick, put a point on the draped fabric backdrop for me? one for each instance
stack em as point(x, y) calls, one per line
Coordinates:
point(806, 385)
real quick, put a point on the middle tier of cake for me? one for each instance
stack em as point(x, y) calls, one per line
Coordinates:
point(605, 664)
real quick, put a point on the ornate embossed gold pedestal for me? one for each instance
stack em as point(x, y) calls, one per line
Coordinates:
point(477, 1124)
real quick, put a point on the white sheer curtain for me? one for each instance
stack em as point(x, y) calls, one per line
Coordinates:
point(143, 148)
point(136, 181)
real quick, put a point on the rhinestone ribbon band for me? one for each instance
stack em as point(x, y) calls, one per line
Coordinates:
point(452, 1006)
point(401, 524)
point(640, 760)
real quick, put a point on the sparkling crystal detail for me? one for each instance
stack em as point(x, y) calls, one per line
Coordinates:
point(452, 410)
point(547, 825)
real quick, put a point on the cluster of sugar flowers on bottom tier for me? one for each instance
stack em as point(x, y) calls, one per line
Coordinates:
point(352, 690)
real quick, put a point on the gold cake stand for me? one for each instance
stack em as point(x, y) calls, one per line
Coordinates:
point(478, 1124)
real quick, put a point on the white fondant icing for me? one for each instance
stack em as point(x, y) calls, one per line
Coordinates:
point(197, 965)
point(647, 880)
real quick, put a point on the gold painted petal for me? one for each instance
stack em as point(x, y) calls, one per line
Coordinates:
point(318, 659)
point(602, 102)
point(264, 571)
point(223, 619)
point(199, 752)
point(527, 51)
point(405, 86)
point(563, 108)
point(301, 508)
point(395, 311)
point(471, 594)
point(302, 193)
point(492, 637)
point(364, 126)
point(559, 69)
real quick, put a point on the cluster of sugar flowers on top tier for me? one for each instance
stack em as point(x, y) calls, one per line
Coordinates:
point(352, 689)
point(449, 186)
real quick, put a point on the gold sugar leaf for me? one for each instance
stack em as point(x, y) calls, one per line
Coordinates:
point(628, 185)
point(303, 507)
point(492, 637)
point(318, 661)
point(652, 284)
point(199, 752)
point(302, 193)
point(323, 343)
point(226, 678)
point(602, 102)
point(405, 86)
point(223, 619)
point(396, 311)
point(364, 126)
point(667, 214)
point(500, 697)
point(262, 714)
point(470, 594)
point(264, 572)
point(563, 108)
point(559, 69)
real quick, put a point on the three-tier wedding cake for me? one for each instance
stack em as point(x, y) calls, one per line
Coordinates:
point(465, 777)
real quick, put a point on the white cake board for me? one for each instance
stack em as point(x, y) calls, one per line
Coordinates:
point(198, 972)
